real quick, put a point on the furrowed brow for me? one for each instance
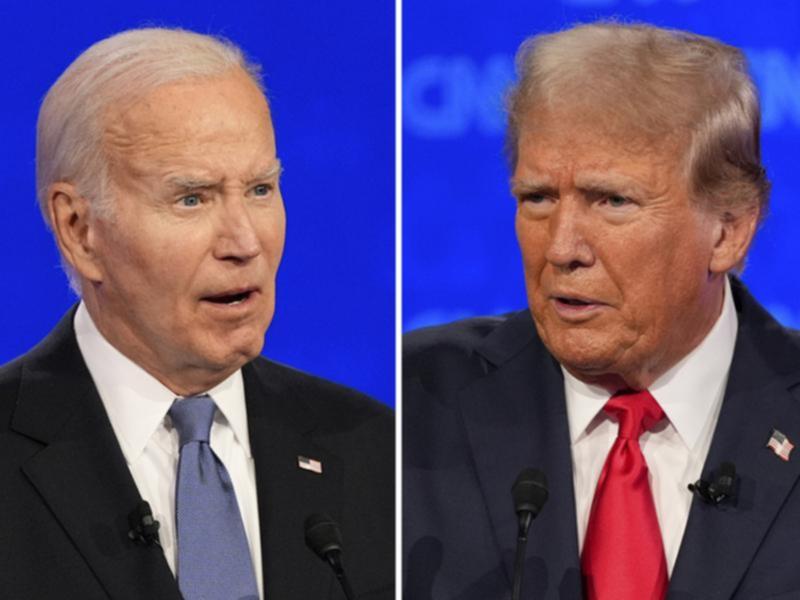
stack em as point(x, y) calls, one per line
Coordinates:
point(531, 184)
point(191, 183)
point(271, 172)
point(608, 183)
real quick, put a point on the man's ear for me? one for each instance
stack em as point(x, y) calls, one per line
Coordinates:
point(70, 216)
point(733, 234)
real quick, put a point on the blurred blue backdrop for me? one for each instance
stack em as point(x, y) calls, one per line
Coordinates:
point(330, 78)
point(460, 256)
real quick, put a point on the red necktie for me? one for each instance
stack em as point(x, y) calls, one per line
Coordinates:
point(623, 555)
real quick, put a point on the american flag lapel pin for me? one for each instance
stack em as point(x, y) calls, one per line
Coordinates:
point(780, 444)
point(309, 464)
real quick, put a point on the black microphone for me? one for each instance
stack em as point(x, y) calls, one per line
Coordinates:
point(325, 539)
point(143, 527)
point(530, 494)
point(720, 489)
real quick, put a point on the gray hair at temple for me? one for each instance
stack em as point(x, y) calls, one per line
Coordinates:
point(116, 71)
point(653, 84)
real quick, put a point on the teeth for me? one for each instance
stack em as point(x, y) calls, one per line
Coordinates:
point(234, 302)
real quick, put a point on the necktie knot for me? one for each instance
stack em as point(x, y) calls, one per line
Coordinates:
point(637, 412)
point(192, 418)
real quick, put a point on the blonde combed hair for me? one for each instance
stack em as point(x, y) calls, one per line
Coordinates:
point(654, 84)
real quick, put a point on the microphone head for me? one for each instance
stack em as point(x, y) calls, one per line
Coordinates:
point(529, 491)
point(143, 527)
point(322, 534)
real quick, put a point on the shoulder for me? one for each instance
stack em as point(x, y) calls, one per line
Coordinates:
point(56, 348)
point(10, 378)
point(449, 356)
point(328, 401)
point(458, 338)
point(56, 354)
point(766, 338)
point(10, 373)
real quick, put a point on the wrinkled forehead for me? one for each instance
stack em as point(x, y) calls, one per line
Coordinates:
point(189, 108)
point(581, 126)
point(211, 124)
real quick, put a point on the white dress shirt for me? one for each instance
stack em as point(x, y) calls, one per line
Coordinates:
point(137, 406)
point(690, 394)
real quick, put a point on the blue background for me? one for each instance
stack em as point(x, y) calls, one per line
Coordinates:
point(330, 78)
point(460, 255)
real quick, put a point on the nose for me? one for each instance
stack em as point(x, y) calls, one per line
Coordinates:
point(568, 247)
point(237, 237)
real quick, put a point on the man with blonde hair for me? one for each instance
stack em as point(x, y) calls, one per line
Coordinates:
point(146, 449)
point(642, 364)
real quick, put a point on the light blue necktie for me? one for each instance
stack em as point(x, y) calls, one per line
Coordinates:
point(213, 556)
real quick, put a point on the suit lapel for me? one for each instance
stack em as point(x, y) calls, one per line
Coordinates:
point(719, 543)
point(80, 472)
point(515, 417)
point(281, 430)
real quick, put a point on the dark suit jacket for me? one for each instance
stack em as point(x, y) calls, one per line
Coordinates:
point(483, 399)
point(65, 490)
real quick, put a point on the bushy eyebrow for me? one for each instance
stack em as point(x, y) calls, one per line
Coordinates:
point(275, 170)
point(189, 183)
point(532, 184)
point(180, 182)
point(593, 183)
point(608, 183)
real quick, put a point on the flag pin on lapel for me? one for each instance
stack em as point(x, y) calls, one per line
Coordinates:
point(309, 464)
point(780, 444)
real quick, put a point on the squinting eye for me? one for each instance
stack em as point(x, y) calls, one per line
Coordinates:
point(533, 198)
point(617, 201)
point(262, 189)
point(190, 200)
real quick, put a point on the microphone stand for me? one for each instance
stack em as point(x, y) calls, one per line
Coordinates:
point(519, 560)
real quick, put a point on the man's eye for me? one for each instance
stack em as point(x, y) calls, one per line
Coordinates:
point(190, 200)
point(616, 201)
point(262, 189)
point(533, 197)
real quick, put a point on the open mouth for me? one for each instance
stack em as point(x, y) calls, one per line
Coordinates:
point(230, 299)
point(574, 301)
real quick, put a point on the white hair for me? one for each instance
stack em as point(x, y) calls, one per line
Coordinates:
point(122, 68)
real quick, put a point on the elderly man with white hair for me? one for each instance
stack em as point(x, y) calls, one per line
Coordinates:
point(146, 449)
point(644, 395)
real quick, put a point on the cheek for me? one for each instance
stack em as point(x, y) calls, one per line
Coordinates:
point(532, 239)
point(655, 281)
point(642, 280)
point(639, 257)
point(272, 234)
point(122, 259)
point(154, 266)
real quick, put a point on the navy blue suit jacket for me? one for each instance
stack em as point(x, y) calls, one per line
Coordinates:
point(483, 399)
point(66, 491)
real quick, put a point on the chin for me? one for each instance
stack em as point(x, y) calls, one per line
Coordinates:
point(576, 351)
point(231, 354)
point(585, 363)
point(246, 352)
point(596, 371)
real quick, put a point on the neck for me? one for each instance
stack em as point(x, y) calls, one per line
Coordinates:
point(187, 380)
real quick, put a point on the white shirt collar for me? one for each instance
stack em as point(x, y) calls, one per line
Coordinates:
point(688, 392)
point(136, 402)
